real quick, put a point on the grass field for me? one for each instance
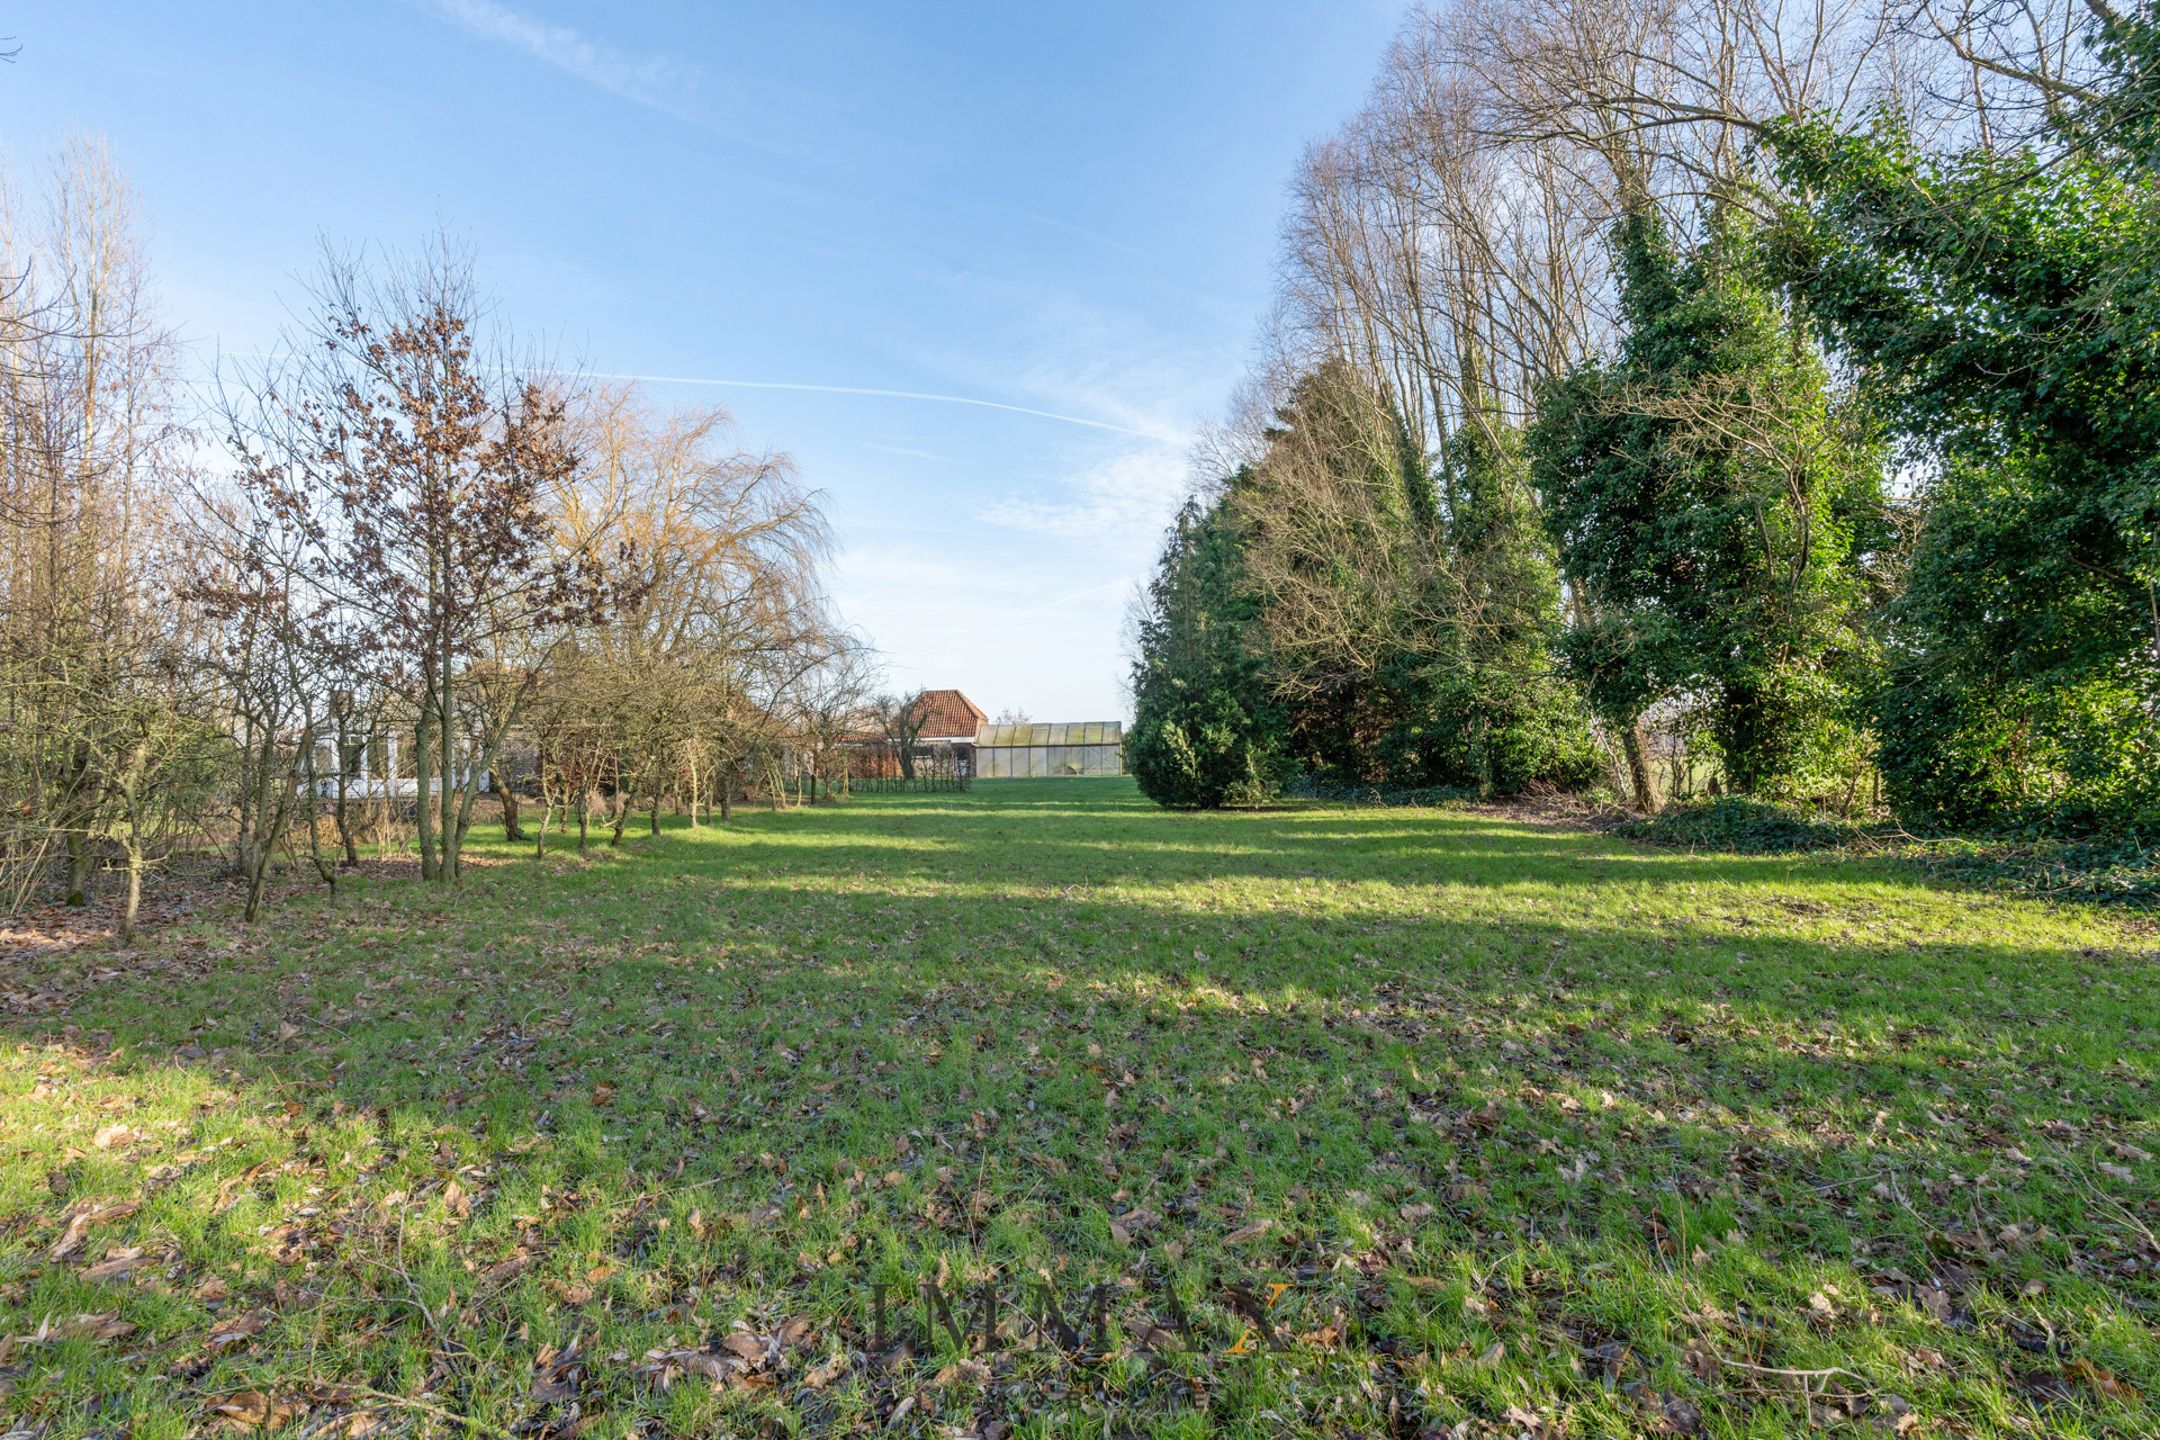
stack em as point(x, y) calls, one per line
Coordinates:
point(1359, 1122)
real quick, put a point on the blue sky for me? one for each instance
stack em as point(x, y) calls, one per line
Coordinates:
point(1067, 209)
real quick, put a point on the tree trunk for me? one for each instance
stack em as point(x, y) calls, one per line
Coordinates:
point(486, 756)
point(134, 891)
point(456, 795)
point(325, 871)
point(269, 824)
point(131, 800)
point(1631, 745)
point(424, 783)
point(512, 811)
point(379, 803)
point(78, 819)
point(78, 867)
point(255, 894)
point(344, 823)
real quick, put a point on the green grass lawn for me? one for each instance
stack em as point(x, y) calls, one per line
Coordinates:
point(1363, 1122)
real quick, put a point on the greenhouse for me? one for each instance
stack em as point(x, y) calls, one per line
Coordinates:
point(1011, 752)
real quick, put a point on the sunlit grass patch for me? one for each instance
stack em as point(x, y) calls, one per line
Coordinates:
point(1521, 1128)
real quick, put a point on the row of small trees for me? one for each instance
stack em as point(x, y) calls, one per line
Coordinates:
point(401, 524)
point(1777, 380)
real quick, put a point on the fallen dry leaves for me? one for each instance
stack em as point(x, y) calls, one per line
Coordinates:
point(82, 1217)
point(250, 1410)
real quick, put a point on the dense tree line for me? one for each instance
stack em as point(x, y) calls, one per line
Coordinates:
point(1768, 391)
point(399, 565)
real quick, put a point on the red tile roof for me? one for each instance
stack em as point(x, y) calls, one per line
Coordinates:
point(948, 714)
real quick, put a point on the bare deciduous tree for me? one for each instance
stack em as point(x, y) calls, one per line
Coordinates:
point(89, 444)
point(424, 469)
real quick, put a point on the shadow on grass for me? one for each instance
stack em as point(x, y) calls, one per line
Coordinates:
point(1502, 1040)
point(1501, 956)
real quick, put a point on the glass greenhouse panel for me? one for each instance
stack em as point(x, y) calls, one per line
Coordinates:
point(1038, 750)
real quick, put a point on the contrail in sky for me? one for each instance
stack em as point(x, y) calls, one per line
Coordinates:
point(890, 395)
point(869, 390)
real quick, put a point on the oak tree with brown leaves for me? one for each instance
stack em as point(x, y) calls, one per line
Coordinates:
point(426, 467)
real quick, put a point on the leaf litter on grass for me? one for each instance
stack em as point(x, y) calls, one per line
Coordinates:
point(1538, 1133)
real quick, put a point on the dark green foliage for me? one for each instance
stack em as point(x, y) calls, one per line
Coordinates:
point(1715, 508)
point(1338, 523)
point(2011, 702)
point(1367, 626)
point(2005, 309)
point(1206, 730)
point(1307, 788)
point(2107, 873)
point(1741, 826)
point(1493, 711)
point(1201, 749)
point(1476, 734)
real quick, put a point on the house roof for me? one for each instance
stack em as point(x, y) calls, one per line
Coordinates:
point(948, 714)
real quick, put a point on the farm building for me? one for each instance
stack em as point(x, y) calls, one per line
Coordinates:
point(958, 740)
point(946, 722)
point(1011, 752)
point(948, 718)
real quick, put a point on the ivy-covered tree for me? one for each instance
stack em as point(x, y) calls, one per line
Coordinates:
point(2004, 307)
point(1714, 507)
point(1409, 621)
point(1485, 704)
point(1336, 523)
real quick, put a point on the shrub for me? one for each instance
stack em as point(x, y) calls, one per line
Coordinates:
point(1201, 751)
point(1746, 827)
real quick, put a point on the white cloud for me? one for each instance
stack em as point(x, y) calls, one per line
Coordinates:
point(1120, 365)
point(1117, 505)
point(867, 565)
point(657, 81)
point(1128, 382)
point(909, 452)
